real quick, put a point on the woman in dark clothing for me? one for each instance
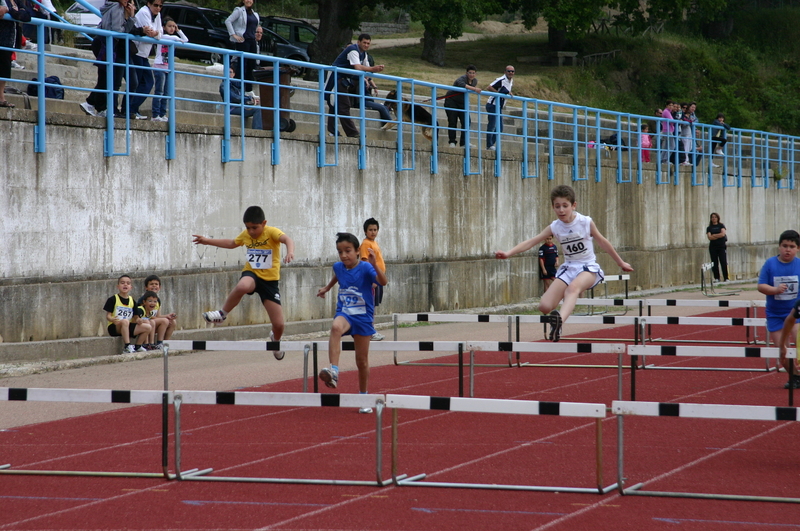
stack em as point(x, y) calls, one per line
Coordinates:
point(717, 247)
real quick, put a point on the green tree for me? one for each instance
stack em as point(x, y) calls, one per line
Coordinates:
point(565, 18)
point(444, 19)
point(338, 19)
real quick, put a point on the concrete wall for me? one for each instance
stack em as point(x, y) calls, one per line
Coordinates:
point(72, 220)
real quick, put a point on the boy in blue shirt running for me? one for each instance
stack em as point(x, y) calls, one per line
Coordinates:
point(355, 308)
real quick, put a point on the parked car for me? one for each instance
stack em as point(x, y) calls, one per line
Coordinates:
point(297, 32)
point(274, 44)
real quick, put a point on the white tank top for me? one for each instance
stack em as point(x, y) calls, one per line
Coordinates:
point(575, 239)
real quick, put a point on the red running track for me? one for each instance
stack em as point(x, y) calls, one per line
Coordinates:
point(714, 456)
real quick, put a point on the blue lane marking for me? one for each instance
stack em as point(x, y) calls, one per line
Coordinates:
point(430, 510)
point(696, 520)
point(199, 503)
point(48, 498)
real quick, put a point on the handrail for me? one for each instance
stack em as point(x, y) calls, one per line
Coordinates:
point(550, 129)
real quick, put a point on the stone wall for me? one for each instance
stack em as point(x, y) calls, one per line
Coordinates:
point(72, 221)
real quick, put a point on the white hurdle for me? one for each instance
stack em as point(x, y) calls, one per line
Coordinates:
point(766, 353)
point(243, 398)
point(497, 406)
point(697, 411)
point(99, 396)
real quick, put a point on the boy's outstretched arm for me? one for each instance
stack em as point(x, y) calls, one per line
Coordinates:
point(327, 288)
point(381, 276)
point(525, 246)
point(289, 243)
point(216, 242)
point(608, 248)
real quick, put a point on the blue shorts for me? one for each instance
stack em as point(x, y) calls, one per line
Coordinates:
point(357, 327)
point(775, 324)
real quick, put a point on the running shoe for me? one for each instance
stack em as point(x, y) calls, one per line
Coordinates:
point(365, 410)
point(795, 383)
point(330, 378)
point(378, 337)
point(88, 108)
point(279, 354)
point(140, 348)
point(129, 349)
point(213, 317)
point(555, 326)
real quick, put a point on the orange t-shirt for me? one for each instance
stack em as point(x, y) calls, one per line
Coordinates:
point(364, 252)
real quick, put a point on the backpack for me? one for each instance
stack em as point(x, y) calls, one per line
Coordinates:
point(49, 92)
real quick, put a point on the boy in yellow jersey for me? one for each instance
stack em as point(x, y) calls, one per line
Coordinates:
point(371, 228)
point(122, 317)
point(262, 271)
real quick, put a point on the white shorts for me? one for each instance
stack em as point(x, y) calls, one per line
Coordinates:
point(569, 271)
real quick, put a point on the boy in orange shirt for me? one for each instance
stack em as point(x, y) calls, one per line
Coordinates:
point(371, 228)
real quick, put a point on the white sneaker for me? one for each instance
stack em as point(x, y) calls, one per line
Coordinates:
point(492, 148)
point(130, 349)
point(16, 66)
point(686, 163)
point(714, 165)
point(250, 94)
point(213, 317)
point(378, 337)
point(163, 119)
point(718, 151)
point(88, 108)
point(365, 410)
point(452, 144)
point(140, 116)
point(140, 348)
point(101, 114)
point(279, 354)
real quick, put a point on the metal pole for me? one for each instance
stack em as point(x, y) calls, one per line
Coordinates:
point(599, 453)
point(394, 446)
point(471, 373)
point(316, 371)
point(379, 442)
point(620, 436)
point(305, 367)
point(177, 405)
point(461, 370)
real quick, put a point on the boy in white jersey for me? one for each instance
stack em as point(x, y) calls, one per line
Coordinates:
point(261, 272)
point(580, 270)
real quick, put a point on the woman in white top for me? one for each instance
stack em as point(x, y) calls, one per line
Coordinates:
point(242, 26)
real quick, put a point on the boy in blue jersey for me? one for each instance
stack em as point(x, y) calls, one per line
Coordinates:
point(354, 309)
point(778, 280)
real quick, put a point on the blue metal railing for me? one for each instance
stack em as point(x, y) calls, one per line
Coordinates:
point(541, 131)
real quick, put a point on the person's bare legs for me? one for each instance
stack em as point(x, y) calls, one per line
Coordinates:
point(142, 331)
point(275, 313)
point(552, 296)
point(582, 282)
point(775, 339)
point(124, 329)
point(245, 286)
point(339, 328)
point(362, 361)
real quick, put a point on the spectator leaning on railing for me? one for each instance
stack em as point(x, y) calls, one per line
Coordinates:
point(501, 85)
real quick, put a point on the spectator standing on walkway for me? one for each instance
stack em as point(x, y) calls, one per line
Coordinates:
point(119, 17)
point(717, 247)
point(148, 24)
point(719, 134)
point(8, 36)
point(161, 72)
point(456, 108)
point(242, 25)
point(668, 143)
point(354, 57)
point(501, 85)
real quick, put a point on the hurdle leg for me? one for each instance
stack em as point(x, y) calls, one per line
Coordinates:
point(471, 373)
point(316, 369)
point(306, 350)
point(599, 454)
point(634, 363)
point(177, 400)
point(620, 453)
point(165, 416)
point(394, 447)
point(379, 445)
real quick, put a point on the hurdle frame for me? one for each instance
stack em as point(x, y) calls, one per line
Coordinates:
point(300, 400)
point(483, 405)
point(97, 396)
point(707, 289)
point(674, 409)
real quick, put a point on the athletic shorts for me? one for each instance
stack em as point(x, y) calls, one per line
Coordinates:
point(548, 273)
point(357, 327)
point(569, 271)
point(267, 289)
point(775, 324)
point(112, 330)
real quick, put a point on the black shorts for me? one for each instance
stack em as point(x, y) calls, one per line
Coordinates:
point(267, 289)
point(548, 273)
point(112, 330)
